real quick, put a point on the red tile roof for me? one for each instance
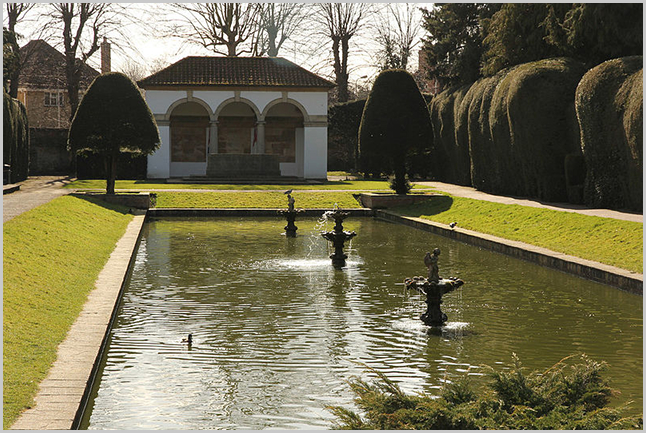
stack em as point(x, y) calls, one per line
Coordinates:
point(235, 72)
point(44, 67)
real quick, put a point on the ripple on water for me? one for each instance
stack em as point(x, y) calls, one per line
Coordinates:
point(278, 331)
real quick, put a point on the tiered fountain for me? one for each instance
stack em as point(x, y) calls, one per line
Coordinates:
point(433, 287)
point(338, 236)
point(290, 215)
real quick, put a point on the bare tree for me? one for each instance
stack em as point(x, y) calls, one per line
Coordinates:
point(277, 22)
point(133, 70)
point(81, 27)
point(341, 22)
point(224, 28)
point(15, 13)
point(396, 33)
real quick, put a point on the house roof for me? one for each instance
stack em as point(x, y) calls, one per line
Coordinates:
point(235, 72)
point(44, 67)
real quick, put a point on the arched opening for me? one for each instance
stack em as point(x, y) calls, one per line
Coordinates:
point(282, 123)
point(189, 124)
point(236, 127)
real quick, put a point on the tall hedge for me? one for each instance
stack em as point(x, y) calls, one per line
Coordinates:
point(343, 134)
point(540, 110)
point(15, 136)
point(451, 148)
point(609, 107)
point(395, 125)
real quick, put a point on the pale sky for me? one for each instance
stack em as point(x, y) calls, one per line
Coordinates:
point(150, 48)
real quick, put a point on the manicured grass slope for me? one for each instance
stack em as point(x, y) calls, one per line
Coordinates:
point(52, 256)
point(605, 240)
point(249, 199)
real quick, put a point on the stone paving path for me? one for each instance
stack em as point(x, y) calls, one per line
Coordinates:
point(469, 192)
point(33, 192)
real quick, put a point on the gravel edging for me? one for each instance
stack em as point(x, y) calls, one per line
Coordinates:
point(62, 395)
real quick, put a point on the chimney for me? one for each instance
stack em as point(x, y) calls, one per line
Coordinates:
point(105, 56)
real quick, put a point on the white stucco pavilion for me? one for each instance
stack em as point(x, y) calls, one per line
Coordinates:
point(238, 117)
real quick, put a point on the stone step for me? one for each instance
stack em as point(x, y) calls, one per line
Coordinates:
point(258, 180)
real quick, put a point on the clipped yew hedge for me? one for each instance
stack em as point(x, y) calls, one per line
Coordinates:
point(451, 149)
point(519, 127)
point(343, 133)
point(609, 106)
point(543, 126)
point(15, 138)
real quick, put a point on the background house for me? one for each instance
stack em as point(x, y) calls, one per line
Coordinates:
point(245, 117)
point(43, 91)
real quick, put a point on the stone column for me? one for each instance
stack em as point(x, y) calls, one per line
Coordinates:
point(213, 137)
point(260, 145)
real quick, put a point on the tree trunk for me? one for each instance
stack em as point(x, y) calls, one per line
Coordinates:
point(111, 173)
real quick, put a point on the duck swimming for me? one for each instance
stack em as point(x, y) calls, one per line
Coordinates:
point(188, 340)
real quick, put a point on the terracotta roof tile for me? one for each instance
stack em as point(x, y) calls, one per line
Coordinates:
point(235, 71)
point(44, 67)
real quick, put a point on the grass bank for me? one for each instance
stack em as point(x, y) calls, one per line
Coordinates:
point(52, 256)
point(255, 199)
point(605, 240)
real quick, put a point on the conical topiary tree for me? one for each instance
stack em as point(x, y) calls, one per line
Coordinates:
point(395, 125)
point(113, 118)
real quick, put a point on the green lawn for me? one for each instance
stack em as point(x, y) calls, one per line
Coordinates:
point(52, 256)
point(255, 199)
point(141, 185)
point(613, 242)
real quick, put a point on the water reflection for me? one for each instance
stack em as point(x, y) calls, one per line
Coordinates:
point(277, 330)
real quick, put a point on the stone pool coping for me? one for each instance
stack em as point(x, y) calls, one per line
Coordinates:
point(63, 394)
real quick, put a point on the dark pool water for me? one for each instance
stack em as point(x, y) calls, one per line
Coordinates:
point(278, 331)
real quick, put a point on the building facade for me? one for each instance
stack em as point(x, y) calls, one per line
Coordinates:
point(238, 117)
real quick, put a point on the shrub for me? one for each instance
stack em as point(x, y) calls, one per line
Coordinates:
point(394, 126)
point(343, 133)
point(113, 118)
point(15, 136)
point(565, 397)
point(450, 146)
point(609, 107)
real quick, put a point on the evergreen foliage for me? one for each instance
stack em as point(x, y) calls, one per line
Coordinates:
point(595, 32)
point(516, 34)
point(451, 156)
point(113, 118)
point(609, 107)
point(15, 138)
point(395, 125)
point(454, 45)
point(467, 41)
point(343, 132)
point(564, 397)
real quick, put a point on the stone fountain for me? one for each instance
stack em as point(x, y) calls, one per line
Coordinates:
point(290, 215)
point(433, 287)
point(338, 236)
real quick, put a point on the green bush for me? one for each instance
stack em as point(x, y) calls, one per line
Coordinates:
point(609, 107)
point(395, 127)
point(565, 397)
point(450, 147)
point(113, 118)
point(343, 134)
point(15, 136)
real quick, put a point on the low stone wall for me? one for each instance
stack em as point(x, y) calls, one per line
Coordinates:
point(179, 212)
point(141, 200)
point(599, 272)
point(234, 165)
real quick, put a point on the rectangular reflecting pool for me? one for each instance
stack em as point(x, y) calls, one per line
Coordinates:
point(277, 330)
